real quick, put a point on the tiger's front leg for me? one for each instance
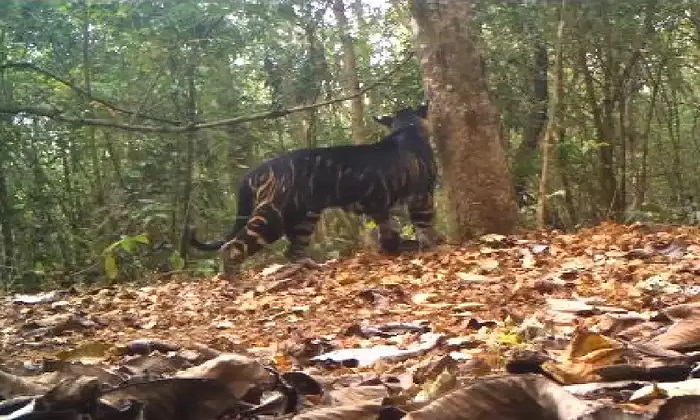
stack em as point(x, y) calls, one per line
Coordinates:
point(389, 233)
point(421, 212)
point(264, 227)
point(299, 235)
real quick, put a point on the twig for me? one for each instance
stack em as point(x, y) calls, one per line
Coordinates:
point(59, 115)
point(80, 91)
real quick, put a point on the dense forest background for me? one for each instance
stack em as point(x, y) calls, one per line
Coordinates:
point(122, 122)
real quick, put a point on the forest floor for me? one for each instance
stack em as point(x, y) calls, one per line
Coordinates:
point(596, 307)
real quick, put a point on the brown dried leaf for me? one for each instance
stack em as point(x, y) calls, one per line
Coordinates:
point(87, 352)
point(78, 369)
point(146, 346)
point(586, 353)
point(570, 306)
point(584, 342)
point(176, 398)
point(682, 311)
point(668, 389)
point(238, 372)
point(14, 386)
point(681, 336)
point(358, 395)
point(505, 398)
point(367, 411)
point(684, 407)
point(72, 393)
point(445, 382)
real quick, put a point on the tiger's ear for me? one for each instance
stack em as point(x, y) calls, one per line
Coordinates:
point(384, 120)
point(422, 111)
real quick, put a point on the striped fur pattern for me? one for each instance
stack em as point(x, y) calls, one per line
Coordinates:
point(285, 196)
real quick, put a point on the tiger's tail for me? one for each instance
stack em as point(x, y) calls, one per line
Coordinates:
point(245, 208)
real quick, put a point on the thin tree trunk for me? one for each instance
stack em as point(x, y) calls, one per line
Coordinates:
point(694, 16)
point(87, 80)
point(7, 211)
point(464, 121)
point(524, 161)
point(351, 81)
point(673, 168)
point(623, 115)
point(641, 185)
point(316, 57)
point(606, 174)
point(568, 191)
point(190, 141)
point(114, 158)
point(6, 218)
point(549, 140)
point(676, 143)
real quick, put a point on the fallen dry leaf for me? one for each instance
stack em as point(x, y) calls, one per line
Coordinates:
point(238, 373)
point(508, 397)
point(482, 303)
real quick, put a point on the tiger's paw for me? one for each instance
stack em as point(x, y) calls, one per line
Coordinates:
point(306, 262)
point(226, 277)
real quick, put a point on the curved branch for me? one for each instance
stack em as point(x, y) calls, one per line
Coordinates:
point(59, 115)
point(80, 91)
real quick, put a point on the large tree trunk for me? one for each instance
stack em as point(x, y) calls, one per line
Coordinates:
point(464, 122)
point(351, 81)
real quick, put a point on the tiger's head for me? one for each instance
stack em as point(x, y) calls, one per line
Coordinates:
point(405, 117)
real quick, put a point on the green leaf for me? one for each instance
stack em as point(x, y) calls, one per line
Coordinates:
point(128, 244)
point(111, 247)
point(177, 262)
point(111, 267)
point(39, 267)
point(142, 238)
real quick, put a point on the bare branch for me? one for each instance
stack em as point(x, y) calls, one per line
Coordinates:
point(59, 115)
point(80, 91)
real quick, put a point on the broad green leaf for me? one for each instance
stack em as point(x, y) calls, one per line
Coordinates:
point(111, 267)
point(177, 261)
point(128, 244)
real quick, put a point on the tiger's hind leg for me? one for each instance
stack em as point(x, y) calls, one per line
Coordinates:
point(389, 233)
point(421, 212)
point(299, 235)
point(263, 227)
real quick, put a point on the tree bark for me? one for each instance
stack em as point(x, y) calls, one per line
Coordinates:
point(524, 160)
point(190, 141)
point(6, 217)
point(7, 212)
point(312, 92)
point(87, 80)
point(640, 186)
point(351, 81)
point(464, 121)
point(549, 140)
point(602, 118)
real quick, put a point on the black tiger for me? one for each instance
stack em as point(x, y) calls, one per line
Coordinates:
point(286, 195)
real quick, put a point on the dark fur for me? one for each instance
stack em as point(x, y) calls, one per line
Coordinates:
point(285, 195)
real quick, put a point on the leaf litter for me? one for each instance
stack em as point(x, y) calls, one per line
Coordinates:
point(599, 324)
